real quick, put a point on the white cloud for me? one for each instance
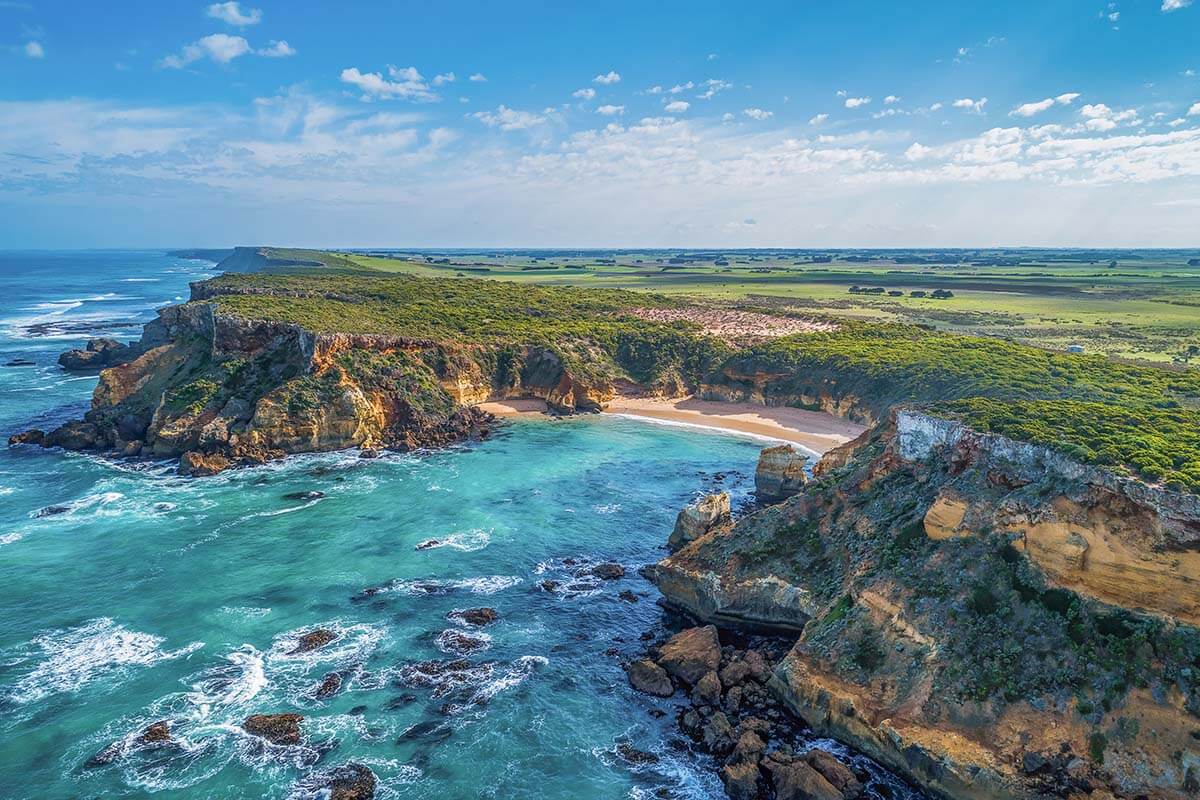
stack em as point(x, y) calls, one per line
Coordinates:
point(654, 90)
point(584, 94)
point(677, 106)
point(681, 87)
point(1175, 123)
point(478, 77)
point(936, 107)
point(1099, 117)
point(277, 49)
point(712, 87)
point(612, 77)
point(713, 56)
point(220, 47)
point(855, 102)
point(818, 119)
point(891, 98)
point(233, 14)
point(758, 113)
point(444, 78)
point(970, 104)
point(402, 83)
point(1067, 98)
point(1174, 5)
point(34, 50)
point(917, 151)
point(508, 119)
point(610, 110)
point(1194, 111)
point(1029, 109)
point(727, 117)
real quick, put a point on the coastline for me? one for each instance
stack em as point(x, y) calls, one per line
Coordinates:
point(814, 430)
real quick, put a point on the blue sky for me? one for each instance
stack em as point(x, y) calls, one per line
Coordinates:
point(617, 124)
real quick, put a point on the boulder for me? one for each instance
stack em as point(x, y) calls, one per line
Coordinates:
point(748, 748)
point(198, 465)
point(312, 640)
point(838, 774)
point(780, 473)
point(709, 512)
point(689, 654)
point(75, 435)
point(796, 780)
point(717, 734)
point(741, 780)
point(708, 690)
point(98, 354)
point(632, 755)
point(275, 728)
point(646, 676)
point(734, 673)
point(31, 436)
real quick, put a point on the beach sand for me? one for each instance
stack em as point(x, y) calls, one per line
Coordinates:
point(814, 430)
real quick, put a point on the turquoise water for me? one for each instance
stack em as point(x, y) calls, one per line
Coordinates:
point(152, 597)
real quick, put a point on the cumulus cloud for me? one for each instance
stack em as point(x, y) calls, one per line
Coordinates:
point(970, 104)
point(509, 119)
point(220, 47)
point(1029, 109)
point(402, 83)
point(609, 110)
point(818, 119)
point(681, 87)
point(584, 94)
point(232, 14)
point(677, 106)
point(444, 78)
point(890, 99)
point(612, 77)
point(478, 77)
point(1174, 5)
point(34, 50)
point(1194, 111)
point(855, 102)
point(1099, 117)
point(277, 49)
point(758, 113)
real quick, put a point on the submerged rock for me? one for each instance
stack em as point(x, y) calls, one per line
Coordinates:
point(352, 781)
point(460, 643)
point(711, 511)
point(330, 685)
point(312, 640)
point(303, 495)
point(632, 755)
point(275, 728)
point(157, 733)
point(780, 473)
point(689, 654)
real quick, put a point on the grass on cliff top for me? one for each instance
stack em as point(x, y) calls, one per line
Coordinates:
point(433, 308)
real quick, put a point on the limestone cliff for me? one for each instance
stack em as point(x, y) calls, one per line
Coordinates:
point(222, 389)
point(985, 616)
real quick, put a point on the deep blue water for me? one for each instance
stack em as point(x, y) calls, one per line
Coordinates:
point(161, 598)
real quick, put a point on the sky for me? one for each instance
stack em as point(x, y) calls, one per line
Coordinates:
point(615, 124)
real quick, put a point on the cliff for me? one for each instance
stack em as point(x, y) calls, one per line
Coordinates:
point(988, 617)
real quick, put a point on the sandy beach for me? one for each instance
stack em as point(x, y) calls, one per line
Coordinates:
point(814, 430)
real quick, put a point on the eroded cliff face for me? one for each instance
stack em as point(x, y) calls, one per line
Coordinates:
point(985, 616)
point(223, 390)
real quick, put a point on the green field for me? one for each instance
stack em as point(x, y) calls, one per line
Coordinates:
point(1136, 304)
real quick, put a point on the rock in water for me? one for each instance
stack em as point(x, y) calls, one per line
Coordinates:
point(351, 782)
point(741, 780)
point(689, 654)
point(796, 780)
point(303, 495)
point(646, 676)
point(156, 733)
point(330, 686)
point(608, 571)
point(476, 616)
point(198, 465)
point(780, 473)
point(838, 774)
point(711, 511)
point(100, 353)
point(275, 728)
point(312, 640)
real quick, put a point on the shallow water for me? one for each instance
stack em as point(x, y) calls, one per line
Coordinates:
point(140, 596)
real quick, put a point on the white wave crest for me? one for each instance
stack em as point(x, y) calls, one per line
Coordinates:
point(75, 657)
point(466, 541)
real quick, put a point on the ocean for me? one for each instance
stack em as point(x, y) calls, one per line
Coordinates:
point(132, 596)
